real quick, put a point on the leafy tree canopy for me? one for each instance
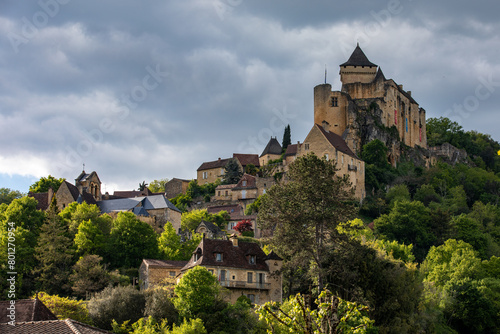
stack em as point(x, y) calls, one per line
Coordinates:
point(43, 185)
point(197, 291)
point(158, 186)
point(304, 212)
point(8, 195)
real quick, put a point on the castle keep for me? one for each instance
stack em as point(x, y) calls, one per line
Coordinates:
point(364, 86)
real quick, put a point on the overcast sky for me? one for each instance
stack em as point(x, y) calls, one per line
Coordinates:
point(144, 90)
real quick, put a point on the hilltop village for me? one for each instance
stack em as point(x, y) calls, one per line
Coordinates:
point(212, 224)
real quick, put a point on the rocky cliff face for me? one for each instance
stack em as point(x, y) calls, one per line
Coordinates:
point(366, 125)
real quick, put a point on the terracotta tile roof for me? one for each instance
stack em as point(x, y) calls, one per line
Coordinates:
point(132, 193)
point(358, 58)
point(250, 182)
point(220, 163)
point(232, 256)
point(272, 147)
point(247, 159)
point(291, 150)
point(26, 310)
point(67, 326)
point(164, 263)
point(233, 210)
point(336, 141)
point(42, 199)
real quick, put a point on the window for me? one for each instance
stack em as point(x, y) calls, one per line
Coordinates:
point(218, 257)
point(222, 276)
point(252, 298)
point(196, 257)
point(251, 260)
point(244, 183)
point(306, 147)
point(342, 159)
point(334, 101)
point(222, 171)
point(205, 175)
point(326, 157)
point(218, 193)
point(226, 192)
point(261, 278)
point(171, 273)
point(249, 277)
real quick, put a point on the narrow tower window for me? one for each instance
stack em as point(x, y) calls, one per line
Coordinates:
point(334, 101)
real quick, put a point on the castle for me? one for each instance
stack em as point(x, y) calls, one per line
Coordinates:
point(365, 87)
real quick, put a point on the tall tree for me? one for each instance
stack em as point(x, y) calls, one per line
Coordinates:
point(131, 240)
point(232, 172)
point(54, 254)
point(287, 138)
point(43, 185)
point(303, 212)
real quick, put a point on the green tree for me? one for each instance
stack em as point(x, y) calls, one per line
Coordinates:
point(399, 192)
point(120, 304)
point(441, 130)
point(408, 223)
point(131, 240)
point(75, 214)
point(253, 207)
point(43, 185)
point(89, 276)
point(304, 212)
point(142, 186)
point(287, 138)
point(375, 153)
point(54, 254)
point(23, 213)
point(333, 315)
point(426, 194)
point(64, 308)
point(232, 172)
point(92, 238)
point(8, 195)
point(197, 291)
point(158, 186)
point(171, 246)
point(193, 326)
point(190, 220)
point(159, 305)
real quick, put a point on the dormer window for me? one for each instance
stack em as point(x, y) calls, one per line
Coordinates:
point(252, 259)
point(196, 257)
point(218, 257)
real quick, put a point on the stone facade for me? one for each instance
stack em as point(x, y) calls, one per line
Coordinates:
point(175, 187)
point(242, 267)
point(324, 143)
point(159, 272)
point(363, 87)
point(89, 183)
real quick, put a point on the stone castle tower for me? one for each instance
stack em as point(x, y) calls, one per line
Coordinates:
point(365, 88)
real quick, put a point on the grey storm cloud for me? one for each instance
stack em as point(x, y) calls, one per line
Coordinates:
point(77, 82)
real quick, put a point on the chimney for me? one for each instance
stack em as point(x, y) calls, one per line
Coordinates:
point(50, 194)
point(234, 239)
point(409, 92)
point(400, 87)
point(326, 126)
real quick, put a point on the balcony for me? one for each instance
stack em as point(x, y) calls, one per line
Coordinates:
point(245, 285)
point(352, 167)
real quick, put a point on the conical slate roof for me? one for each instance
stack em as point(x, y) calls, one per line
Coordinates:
point(358, 58)
point(273, 147)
